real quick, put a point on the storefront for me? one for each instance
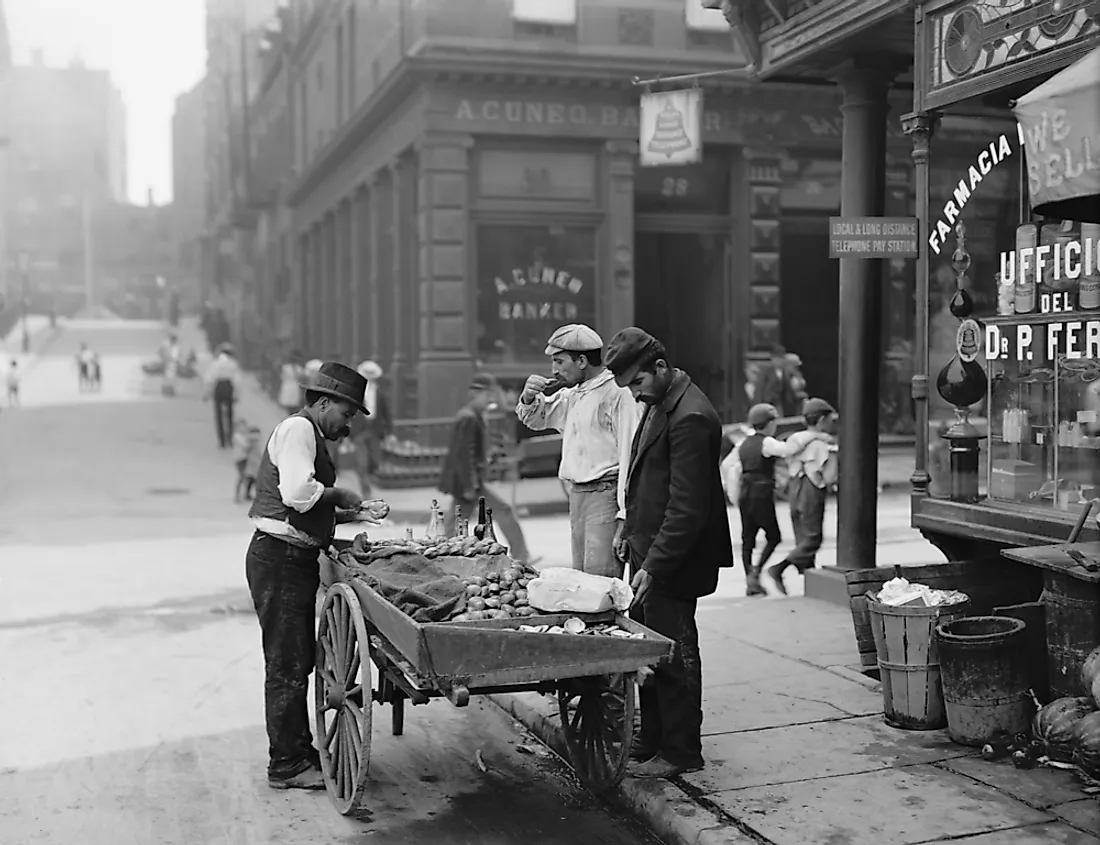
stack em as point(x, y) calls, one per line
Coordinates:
point(477, 217)
point(1025, 374)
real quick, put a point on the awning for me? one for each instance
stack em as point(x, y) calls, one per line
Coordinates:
point(1060, 121)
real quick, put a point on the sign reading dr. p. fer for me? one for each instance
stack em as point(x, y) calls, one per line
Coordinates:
point(872, 237)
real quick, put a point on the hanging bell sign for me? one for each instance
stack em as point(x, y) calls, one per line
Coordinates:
point(671, 127)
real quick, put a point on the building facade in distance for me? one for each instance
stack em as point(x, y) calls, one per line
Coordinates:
point(189, 189)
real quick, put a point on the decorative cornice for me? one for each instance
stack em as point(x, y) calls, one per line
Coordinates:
point(823, 26)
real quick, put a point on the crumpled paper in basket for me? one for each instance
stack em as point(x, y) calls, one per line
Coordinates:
point(561, 590)
point(900, 591)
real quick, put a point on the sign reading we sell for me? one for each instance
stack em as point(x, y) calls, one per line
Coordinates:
point(872, 237)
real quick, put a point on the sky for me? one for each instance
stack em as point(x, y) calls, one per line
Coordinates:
point(154, 51)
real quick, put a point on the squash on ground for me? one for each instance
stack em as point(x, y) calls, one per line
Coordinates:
point(1053, 725)
point(1086, 744)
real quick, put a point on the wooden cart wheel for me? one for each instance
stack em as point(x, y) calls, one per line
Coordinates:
point(342, 697)
point(597, 715)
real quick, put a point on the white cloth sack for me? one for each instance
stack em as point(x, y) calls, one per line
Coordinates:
point(561, 590)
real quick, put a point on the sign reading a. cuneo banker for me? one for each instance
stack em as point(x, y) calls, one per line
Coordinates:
point(873, 237)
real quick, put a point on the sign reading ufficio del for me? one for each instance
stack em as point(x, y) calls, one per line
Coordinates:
point(873, 237)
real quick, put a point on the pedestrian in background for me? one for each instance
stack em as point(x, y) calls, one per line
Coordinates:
point(291, 374)
point(773, 384)
point(676, 537)
point(463, 474)
point(597, 420)
point(798, 382)
point(813, 470)
point(368, 433)
point(223, 385)
point(752, 486)
point(12, 381)
point(240, 455)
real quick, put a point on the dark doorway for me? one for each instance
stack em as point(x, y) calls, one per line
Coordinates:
point(681, 298)
point(809, 308)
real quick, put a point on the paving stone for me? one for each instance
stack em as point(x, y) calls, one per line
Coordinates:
point(1051, 833)
point(726, 661)
point(1040, 787)
point(812, 695)
point(914, 804)
point(1083, 813)
point(781, 755)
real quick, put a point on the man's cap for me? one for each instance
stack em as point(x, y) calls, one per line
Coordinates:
point(762, 414)
point(483, 381)
point(818, 407)
point(625, 351)
point(575, 337)
point(370, 370)
point(227, 349)
point(340, 382)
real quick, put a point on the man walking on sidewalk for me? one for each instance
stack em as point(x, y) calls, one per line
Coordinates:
point(676, 536)
point(813, 468)
point(463, 474)
point(223, 383)
point(597, 420)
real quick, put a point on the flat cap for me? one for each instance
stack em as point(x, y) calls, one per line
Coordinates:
point(762, 414)
point(817, 406)
point(575, 337)
point(626, 350)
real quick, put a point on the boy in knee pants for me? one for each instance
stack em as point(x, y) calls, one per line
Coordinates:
point(813, 469)
point(752, 487)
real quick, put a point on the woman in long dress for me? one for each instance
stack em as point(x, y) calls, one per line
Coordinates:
point(290, 376)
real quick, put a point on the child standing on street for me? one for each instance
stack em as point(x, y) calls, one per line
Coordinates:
point(751, 468)
point(240, 456)
point(13, 383)
point(252, 460)
point(813, 470)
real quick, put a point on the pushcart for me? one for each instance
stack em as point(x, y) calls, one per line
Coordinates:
point(592, 677)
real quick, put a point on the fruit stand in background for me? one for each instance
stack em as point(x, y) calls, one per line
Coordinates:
point(451, 616)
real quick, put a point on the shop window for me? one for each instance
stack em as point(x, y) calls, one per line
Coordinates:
point(531, 279)
point(702, 188)
point(514, 174)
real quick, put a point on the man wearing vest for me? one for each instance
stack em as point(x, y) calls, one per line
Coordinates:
point(752, 487)
point(295, 517)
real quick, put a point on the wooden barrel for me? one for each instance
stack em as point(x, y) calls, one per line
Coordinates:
point(985, 684)
point(908, 662)
point(1073, 630)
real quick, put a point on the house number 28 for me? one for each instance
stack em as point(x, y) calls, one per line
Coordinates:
point(672, 187)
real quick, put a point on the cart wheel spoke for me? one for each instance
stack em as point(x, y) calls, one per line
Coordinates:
point(340, 677)
point(598, 731)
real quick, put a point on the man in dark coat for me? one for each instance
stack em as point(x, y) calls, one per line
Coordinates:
point(463, 474)
point(774, 385)
point(676, 537)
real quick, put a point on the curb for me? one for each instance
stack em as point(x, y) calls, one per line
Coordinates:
point(667, 810)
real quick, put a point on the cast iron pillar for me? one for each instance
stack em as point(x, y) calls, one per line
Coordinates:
point(863, 194)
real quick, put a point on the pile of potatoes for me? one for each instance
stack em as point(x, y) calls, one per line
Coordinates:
point(459, 547)
point(497, 595)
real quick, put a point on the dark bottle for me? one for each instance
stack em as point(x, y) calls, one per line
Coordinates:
point(479, 529)
point(489, 534)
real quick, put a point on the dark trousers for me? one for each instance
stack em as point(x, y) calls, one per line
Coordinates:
point(808, 518)
point(223, 412)
point(504, 518)
point(283, 580)
point(672, 700)
point(757, 506)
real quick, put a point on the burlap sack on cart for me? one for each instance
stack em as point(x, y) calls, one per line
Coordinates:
point(414, 585)
point(561, 590)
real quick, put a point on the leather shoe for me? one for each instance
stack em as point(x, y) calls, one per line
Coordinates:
point(639, 753)
point(776, 574)
point(311, 778)
point(659, 767)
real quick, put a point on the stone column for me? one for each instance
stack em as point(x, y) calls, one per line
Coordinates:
point(317, 292)
point(355, 272)
point(442, 265)
point(339, 341)
point(863, 194)
point(615, 306)
point(329, 304)
point(921, 126)
point(372, 268)
point(386, 282)
point(401, 284)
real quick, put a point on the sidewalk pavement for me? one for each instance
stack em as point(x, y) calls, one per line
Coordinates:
point(798, 753)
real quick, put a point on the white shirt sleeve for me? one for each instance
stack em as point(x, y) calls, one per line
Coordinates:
point(545, 412)
point(773, 448)
point(625, 427)
point(293, 450)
